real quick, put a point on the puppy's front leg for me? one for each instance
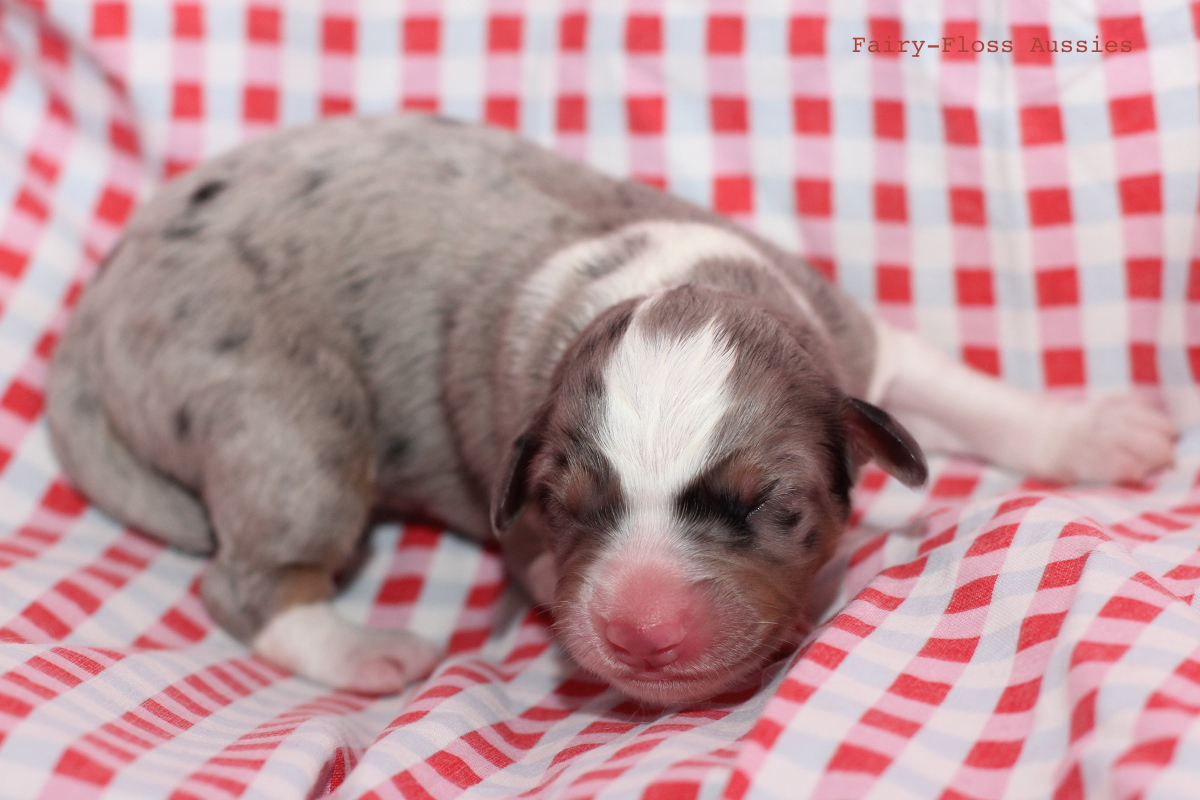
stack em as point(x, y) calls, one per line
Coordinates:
point(311, 639)
point(953, 408)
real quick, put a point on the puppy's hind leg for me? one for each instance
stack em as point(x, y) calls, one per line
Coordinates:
point(953, 408)
point(100, 463)
point(288, 488)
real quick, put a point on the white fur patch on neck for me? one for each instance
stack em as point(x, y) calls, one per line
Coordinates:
point(663, 398)
point(669, 252)
point(672, 250)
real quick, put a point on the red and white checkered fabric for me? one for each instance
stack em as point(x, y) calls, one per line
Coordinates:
point(1032, 211)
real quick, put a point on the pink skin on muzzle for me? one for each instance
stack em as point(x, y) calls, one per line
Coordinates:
point(650, 617)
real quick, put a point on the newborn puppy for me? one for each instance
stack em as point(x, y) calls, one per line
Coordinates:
point(659, 415)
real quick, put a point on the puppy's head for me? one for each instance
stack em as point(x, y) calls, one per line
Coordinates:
point(689, 474)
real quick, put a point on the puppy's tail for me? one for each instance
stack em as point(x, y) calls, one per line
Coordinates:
point(100, 464)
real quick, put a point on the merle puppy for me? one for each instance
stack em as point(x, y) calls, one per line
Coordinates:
point(659, 415)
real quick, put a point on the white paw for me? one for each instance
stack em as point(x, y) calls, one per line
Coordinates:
point(313, 641)
point(1118, 438)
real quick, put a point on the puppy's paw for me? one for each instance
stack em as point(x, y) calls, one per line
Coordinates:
point(385, 662)
point(313, 641)
point(1117, 438)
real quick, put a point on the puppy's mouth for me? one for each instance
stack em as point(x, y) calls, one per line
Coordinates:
point(655, 676)
point(659, 687)
point(677, 684)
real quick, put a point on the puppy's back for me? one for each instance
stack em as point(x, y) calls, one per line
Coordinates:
point(397, 243)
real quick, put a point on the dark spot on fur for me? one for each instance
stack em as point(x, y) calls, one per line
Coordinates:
point(790, 519)
point(357, 286)
point(366, 341)
point(394, 449)
point(345, 412)
point(249, 255)
point(86, 404)
point(447, 121)
point(231, 340)
point(206, 191)
point(593, 387)
point(448, 171)
point(810, 539)
point(620, 324)
point(182, 229)
point(183, 423)
point(185, 226)
point(301, 350)
point(183, 310)
point(607, 335)
point(627, 249)
point(314, 179)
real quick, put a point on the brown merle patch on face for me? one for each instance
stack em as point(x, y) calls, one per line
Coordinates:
point(556, 463)
point(563, 433)
point(580, 496)
point(587, 355)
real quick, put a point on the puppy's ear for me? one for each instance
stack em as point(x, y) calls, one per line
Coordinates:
point(871, 433)
point(509, 493)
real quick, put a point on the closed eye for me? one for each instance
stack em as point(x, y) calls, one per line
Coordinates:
point(712, 505)
point(788, 518)
point(759, 507)
point(702, 503)
point(583, 495)
point(781, 508)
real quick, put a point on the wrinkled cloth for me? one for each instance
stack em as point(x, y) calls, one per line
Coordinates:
point(1032, 212)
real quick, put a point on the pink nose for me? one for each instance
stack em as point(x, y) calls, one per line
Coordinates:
point(641, 645)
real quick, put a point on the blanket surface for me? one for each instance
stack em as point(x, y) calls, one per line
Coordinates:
point(1022, 188)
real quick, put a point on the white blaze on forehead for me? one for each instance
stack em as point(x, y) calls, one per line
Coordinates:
point(663, 398)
